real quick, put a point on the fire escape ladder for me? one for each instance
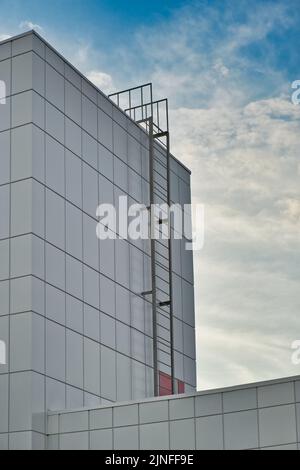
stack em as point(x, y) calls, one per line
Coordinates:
point(153, 116)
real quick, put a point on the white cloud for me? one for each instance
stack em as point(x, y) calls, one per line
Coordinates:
point(29, 25)
point(260, 22)
point(290, 208)
point(3, 37)
point(82, 54)
point(102, 80)
point(245, 169)
point(221, 68)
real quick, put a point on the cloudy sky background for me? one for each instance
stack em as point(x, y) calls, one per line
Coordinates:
point(227, 69)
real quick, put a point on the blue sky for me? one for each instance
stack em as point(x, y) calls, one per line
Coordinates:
point(94, 18)
point(110, 24)
point(114, 29)
point(227, 69)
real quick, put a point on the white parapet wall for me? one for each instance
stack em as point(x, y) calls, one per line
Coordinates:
point(264, 415)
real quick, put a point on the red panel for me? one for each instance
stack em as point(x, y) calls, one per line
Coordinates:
point(163, 392)
point(165, 381)
point(165, 384)
point(180, 387)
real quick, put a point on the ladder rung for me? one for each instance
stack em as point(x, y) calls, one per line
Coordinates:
point(141, 121)
point(165, 303)
point(147, 292)
point(160, 134)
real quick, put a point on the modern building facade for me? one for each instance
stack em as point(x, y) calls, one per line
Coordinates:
point(76, 312)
